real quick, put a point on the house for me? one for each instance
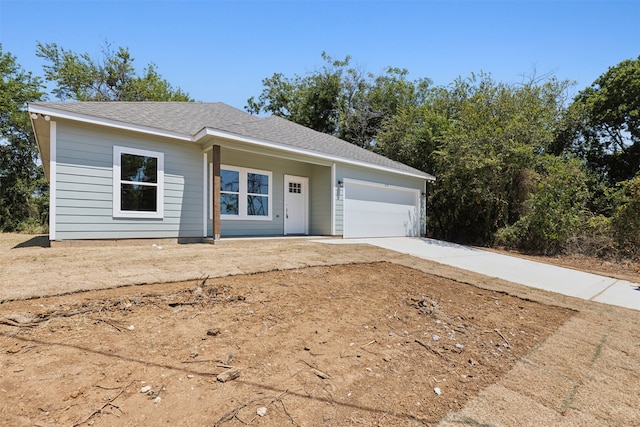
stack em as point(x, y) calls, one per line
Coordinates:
point(188, 171)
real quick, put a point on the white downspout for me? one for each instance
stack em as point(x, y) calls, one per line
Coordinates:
point(205, 198)
point(52, 179)
point(333, 199)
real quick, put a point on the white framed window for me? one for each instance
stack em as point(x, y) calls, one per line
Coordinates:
point(138, 183)
point(245, 194)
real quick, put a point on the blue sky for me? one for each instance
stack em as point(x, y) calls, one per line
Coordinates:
point(221, 50)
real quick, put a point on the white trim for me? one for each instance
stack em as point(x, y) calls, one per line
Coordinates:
point(53, 141)
point(242, 195)
point(117, 211)
point(305, 193)
point(205, 187)
point(272, 145)
point(333, 199)
point(211, 198)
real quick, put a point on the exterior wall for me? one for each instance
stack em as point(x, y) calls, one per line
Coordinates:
point(319, 194)
point(84, 186)
point(362, 174)
point(320, 201)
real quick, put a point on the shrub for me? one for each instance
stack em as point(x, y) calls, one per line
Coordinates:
point(554, 210)
point(626, 219)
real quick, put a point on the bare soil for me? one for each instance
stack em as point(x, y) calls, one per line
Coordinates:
point(368, 343)
point(307, 335)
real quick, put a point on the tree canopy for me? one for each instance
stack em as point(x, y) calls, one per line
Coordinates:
point(338, 99)
point(21, 181)
point(110, 78)
point(605, 125)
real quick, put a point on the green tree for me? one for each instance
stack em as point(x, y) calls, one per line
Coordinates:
point(377, 99)
point(626, 219)
point(312, 100)
point(412, 136)
point(22, 187)
point(485, 157)
point(556, 209)
point(111, 78)
point(603, 124)
point(339, 100)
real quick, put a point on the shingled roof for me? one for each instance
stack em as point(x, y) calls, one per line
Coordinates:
point(190, 118)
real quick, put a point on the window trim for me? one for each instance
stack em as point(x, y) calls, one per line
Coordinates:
point(243, 193)
point(118, 151)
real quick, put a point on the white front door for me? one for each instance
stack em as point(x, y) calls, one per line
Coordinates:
point(296, 202)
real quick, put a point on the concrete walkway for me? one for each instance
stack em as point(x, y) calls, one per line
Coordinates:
point(518, 270)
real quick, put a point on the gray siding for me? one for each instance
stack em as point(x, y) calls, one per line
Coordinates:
point(339, 203)
point(320, 201)
point(84, 186)
point(319, 194)
point(279, 168)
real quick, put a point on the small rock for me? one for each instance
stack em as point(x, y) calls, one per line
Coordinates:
point(157, 400)
point(437, 391)
point(459, 346)
point(145, 389)
point(75, 394)
point(262, 411)
point(190, 376)
point(436, 338)
point(131, 327)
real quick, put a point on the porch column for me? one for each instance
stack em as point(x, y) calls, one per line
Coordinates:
point(215, 188)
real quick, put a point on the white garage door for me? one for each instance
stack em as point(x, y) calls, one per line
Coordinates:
point(375, 210)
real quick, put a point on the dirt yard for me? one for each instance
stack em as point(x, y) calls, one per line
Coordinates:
point(290, 332)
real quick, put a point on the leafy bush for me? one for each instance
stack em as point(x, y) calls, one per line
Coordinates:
point(554, 211)
point(626, 219)
point(594, 238)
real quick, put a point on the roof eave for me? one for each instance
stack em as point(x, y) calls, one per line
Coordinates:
point(41, 142)
point(272, 145)
point(208, 131)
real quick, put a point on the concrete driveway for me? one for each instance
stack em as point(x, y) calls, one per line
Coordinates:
point(552, 278)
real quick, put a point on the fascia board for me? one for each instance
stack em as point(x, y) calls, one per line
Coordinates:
point(267, 144)
point(106, 122)
point(45, 161)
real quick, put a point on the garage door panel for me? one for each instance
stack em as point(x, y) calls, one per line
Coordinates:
point(373, 210)
point(380, 194)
